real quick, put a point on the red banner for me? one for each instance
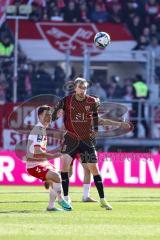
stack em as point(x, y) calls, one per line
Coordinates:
point(74, 36)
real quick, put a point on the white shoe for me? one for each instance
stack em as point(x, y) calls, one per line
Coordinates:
point(88, 199)
point(54, 209)
point(68, 199)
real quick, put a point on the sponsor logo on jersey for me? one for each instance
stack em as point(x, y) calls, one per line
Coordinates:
point(87, 108)
point(39, 138)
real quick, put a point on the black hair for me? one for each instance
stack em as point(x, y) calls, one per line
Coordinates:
point(41, 109)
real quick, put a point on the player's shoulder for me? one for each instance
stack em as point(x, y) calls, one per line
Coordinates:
point(37, 130)
point(68, 97)
point(93, 99)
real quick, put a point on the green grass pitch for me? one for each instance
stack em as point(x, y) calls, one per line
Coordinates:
point(135, 215)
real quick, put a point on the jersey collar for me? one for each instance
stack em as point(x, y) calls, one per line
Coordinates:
point(39, 124)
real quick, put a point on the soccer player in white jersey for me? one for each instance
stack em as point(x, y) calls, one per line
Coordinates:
point(37, 159)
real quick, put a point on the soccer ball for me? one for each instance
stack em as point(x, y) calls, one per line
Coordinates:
point(102, 39)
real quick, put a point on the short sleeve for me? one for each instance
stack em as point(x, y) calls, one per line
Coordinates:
point(36, 136)
point(96, 104)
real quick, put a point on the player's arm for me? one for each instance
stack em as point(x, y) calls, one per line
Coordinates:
point(109, 122)
point(95, 115)
point(60, 106)
point(40, 154)
point(95, 121)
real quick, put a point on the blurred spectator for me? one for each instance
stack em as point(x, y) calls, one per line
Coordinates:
point(6, 46)
point(45, 15)
point(115, 11)
point(29, 75)
point(56, 15)
point(133, 7)
point(3, 87)
point(42, 82)
point(152, 8)
point(154, 48)
point(111, 92)
point(40, 3)
point(71, 12)
point(37, 13)
point(128, 93)
point(84, 15)
point(54, 11)
point(99, 15)
point(59, 75)
point(118, 91)
point(7, 67)
point(135, 25)
point(128, 96)
point(142, 43)
point(146, 33)
point(97, 90)
point(25, 78)
point(154, 31)
point(140, 93)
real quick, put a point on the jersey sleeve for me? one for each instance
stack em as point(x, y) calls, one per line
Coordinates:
point(36, 138)
point(60, 105)
point(96, 104)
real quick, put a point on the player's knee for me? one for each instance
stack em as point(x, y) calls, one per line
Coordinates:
point(57, 178)
point(93, 169)
point(66, 161)
point(66, 158)
point(53, 176)
point(86, 172)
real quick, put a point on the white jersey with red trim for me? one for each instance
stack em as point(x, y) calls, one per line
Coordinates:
point(36, 138)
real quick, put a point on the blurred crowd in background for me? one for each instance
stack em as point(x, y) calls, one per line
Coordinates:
point(142, 18)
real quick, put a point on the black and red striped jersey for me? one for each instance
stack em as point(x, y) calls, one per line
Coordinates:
point(80, 117)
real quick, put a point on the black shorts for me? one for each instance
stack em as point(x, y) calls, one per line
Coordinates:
point(86, 148)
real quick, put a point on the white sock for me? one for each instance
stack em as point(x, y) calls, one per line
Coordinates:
point(52, 197)
point(58, 189)
point(66, 198)
point(86, 190)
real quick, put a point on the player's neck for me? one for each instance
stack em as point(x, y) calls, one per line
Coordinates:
point(44, 125)
point(79, 98)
